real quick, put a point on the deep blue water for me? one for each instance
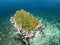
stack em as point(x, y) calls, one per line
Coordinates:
point(8, 7)
point(46, 10)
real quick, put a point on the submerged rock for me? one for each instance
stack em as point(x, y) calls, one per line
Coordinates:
point(26, 24)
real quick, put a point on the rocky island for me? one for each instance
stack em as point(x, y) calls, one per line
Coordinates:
point(25, 24)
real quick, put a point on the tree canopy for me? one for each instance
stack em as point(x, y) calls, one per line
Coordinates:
point(26, 20)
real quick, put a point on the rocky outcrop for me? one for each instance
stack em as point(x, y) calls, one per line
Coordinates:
point(25, 34)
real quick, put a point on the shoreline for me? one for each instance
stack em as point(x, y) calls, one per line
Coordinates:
point(25, 33)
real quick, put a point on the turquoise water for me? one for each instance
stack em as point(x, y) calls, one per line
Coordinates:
point(49, 14)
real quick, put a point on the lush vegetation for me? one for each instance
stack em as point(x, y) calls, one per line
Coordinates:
point(26, 20)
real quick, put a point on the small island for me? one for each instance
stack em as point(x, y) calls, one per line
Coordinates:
point(25, 23)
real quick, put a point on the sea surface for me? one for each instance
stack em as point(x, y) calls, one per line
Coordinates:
point(46, 10)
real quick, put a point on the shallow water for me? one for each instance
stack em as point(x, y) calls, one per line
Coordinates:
point(50, 17)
